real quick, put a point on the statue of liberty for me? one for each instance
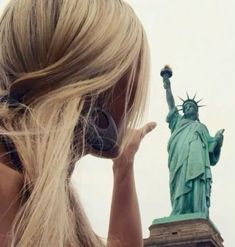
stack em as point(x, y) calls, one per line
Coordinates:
point(191, 152)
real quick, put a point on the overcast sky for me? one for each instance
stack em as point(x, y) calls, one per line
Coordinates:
point(195, 37)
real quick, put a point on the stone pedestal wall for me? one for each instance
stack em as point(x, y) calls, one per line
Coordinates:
point(186, 232)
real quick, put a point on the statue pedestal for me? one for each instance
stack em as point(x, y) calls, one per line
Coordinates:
point(188, 230)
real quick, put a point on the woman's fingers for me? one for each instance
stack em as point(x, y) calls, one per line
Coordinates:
point(139, 134)
point(147, 128)
point(133, 143)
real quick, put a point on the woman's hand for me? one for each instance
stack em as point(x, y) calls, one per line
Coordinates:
point(125, 223)
point(125, 160)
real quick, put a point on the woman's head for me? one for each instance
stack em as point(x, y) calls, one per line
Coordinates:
point(75, 49)
point(62, 58)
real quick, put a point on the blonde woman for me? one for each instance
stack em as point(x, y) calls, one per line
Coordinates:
point(73, 81)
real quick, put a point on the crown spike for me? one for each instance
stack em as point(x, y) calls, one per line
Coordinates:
point(199, 101)
point(180, 109)
point(194, 96)
point(201, 105)
point(187, 95)
point(181, 98)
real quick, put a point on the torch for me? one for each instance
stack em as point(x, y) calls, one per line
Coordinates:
point(166, 72)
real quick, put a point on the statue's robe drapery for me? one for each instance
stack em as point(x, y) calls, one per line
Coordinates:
point(191, 153)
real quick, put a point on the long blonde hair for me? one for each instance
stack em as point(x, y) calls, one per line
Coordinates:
point(55, 54)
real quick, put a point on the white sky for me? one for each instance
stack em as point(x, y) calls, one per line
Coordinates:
point(195, 37)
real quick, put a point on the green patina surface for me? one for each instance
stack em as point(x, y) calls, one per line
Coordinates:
point(183, 217)
point(180, 217)
point(191, 153)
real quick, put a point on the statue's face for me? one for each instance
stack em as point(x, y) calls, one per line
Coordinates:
point(190, 110)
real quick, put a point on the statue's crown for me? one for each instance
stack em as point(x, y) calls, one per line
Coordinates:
point(191, 100)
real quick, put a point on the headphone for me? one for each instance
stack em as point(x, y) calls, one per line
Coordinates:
point(101, 133)
point(11, 150)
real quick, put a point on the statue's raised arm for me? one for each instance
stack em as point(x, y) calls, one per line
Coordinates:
point(166, 73)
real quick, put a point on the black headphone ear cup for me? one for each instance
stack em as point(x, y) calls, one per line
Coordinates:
point(101, 138)
point(11, 150)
